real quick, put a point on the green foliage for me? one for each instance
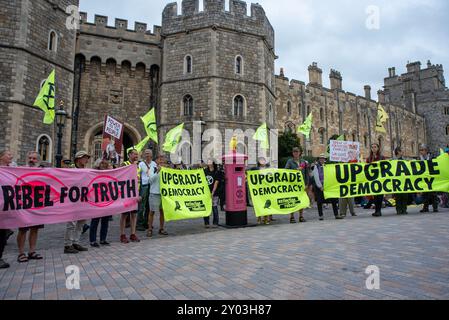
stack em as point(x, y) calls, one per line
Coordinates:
point(287, 141)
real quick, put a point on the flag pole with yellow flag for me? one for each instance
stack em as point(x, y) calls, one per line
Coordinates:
point(46, 99)
point(173, 138)
point(382, 117)
point(149, 122)
point(262, 136)
point(140, 146)
point(306, 127)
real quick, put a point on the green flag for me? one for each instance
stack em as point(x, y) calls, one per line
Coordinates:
point(172, 139)
point(46, 99)
point(306, 127)
point(139, 147)
point(341, 138)
point(262, 135)
point(149, 122)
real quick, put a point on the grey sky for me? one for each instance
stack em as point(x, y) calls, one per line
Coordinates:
point(332, 33)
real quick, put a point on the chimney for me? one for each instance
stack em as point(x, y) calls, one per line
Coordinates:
point(315, 74)
point(381, 96)
point(282, 73)
point(367, 92)
point(414, 66)
point(393, 72)
point(335, 80)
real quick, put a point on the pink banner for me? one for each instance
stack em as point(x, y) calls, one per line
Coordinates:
point(32, 196)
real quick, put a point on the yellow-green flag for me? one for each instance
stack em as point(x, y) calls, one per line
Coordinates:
point(382, 117)
point(442, 152)
point(341, 138)
point(139, 147)
point(262, 135)
point(46, 99)
point(172, 139)
point(306, 127)
point(149, 122)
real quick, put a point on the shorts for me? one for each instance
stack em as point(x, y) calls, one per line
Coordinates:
point(155, 203)
point(41, 226)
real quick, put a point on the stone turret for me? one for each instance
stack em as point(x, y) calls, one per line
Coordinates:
point(335, 80)
point(315, 74)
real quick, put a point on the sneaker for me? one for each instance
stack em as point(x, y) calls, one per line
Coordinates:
point(85, 228)
point(353, 214)
point(95, 245)
point(321, 218)
point(377, 214)
point(105, 243)
point(80, 248)
point(124, 239)
point(70, 250)
point(134, 238)
point(3, 264)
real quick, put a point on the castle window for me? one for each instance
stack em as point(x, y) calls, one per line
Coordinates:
point(289, 108)
point(52, 41)
point(238, 65)
point(98, 140)
point(187, 64)
point(238, 108)
point(299, 109)
point(321, 132)
point(308, 111)
point(187, 105)
point(44, 148)
point(365, 141)
point(270, 114)
point(413, 147)
point(446, 110)
point(447, 130)
point(353, 137)
point(321, 114)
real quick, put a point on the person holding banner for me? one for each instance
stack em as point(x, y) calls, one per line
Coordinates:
point(74, 228)
point(33, 161)
point(133, 157)
point(429, 197)
point(401, 199)
point(376, 155)
point(213, 180)
point(155, 197)
point(103, 165)
point(318, 174)
point(146, 166)
point(296, 163)
point(5, 161)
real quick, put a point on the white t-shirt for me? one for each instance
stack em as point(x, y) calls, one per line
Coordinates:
point(145, 171)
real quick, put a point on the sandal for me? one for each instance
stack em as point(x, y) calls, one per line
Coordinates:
point(292, 220)
point(150, 233)
point(22, 258)
point(163, 232)
point(34, 256)
point(301, 219)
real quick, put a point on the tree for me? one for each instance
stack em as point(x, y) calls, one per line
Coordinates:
point(287, 141)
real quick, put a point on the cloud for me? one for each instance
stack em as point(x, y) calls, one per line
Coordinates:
point(332, 33)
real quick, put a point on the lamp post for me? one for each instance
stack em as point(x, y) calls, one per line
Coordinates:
point(61, 116)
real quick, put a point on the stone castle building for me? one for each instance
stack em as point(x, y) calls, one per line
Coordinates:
point(208, 65)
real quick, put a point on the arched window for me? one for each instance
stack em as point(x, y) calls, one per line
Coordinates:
point(52, 41)
point(299, 109)
point(321, 133)
point(238, 107)
point(98, 140)
point(289, 108)
point(188, 64)
point(44, 147)
point(187, 103)
point(321, 114)
point(238, 65)
point(354, 137)
point(308, 111)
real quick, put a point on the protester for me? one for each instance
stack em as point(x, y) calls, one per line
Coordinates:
point(318, 175)
point(155, 197)
point(5, 161)
point(221, 188)
point(33, 162)
point(429, 197)
point(296, 163)
point(344, 203)
point(145, 168)
point(401, 199)
point(102, 165)
point(261, 165)
point(376, 155)
point(133, 157)
point(74, 228)
point(213, 180)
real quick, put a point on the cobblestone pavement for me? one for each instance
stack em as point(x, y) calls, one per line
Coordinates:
point(313, 260)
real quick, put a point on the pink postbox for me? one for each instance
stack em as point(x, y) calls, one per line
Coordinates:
point(236, 209)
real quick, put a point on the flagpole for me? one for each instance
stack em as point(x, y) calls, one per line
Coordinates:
point(61, 116)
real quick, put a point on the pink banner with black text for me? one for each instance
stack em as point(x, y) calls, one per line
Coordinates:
point(35, 196)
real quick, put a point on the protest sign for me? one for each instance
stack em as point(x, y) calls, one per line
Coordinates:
point(344, 151)
point(277, 191)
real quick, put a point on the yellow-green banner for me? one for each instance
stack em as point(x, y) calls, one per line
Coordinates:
point(386, 177)
point(185, 194)
point(277, 191)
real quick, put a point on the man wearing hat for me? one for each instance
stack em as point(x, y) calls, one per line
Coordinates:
point(74, 228)
point(318, 175)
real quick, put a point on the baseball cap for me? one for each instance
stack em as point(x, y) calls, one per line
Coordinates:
point(81, 154)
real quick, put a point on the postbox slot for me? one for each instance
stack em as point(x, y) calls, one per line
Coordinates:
point(238, 169)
